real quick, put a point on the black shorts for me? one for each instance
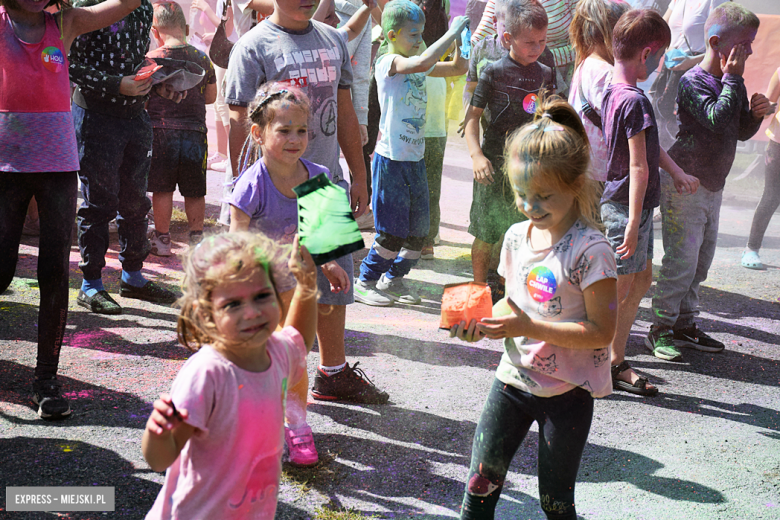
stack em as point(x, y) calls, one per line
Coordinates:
point(178, 157)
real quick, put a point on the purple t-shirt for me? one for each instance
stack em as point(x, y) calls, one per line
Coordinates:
point(625, 112)
point(271, 213)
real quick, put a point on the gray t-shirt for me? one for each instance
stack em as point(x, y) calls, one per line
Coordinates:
point(315, 59)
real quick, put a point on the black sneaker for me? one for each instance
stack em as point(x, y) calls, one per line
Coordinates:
point(694, 338)
point(150, 292)
point(195, 238)
point(661, 344)
point(48, 397)
point(100, 303)
point(351, 384)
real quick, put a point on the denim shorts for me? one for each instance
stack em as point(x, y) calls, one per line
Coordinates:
point(615, 219)
point(178, 157)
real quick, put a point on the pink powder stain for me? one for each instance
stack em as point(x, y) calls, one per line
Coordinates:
point(88, 338)
point(82, 394)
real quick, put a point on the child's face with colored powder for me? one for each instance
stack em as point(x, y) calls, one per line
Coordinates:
point(407, 40)
point(652, 60)
point(31, 6)
point(246, 312)
point(526, 47)
point(743, 37)
point(294, 13)
point(284, 140)
point(548, 208)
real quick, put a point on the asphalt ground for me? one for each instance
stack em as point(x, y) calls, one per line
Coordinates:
point(708, 447)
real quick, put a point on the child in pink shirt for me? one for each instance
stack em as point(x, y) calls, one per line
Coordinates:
point(220, 431)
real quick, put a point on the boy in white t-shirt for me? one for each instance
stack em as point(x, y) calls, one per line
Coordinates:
point(400, 196)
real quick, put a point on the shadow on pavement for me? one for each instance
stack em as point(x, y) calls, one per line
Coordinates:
point(389, 474)
point(362, 344)
point(399, 476)
point(32, 461)
point(91, 404)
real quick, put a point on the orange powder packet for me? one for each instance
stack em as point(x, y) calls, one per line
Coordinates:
point(465, 302)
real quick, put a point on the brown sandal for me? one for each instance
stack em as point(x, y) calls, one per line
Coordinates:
point(639, 387)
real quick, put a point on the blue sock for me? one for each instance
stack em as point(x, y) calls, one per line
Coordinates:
point(134, 278)
point(92, 287)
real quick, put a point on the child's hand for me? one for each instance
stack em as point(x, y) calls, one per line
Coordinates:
point(510, 326)
point(759, 105)
point(166, 91)
point(735, 63)
point(131, 88)
point(339, 281)
point(468, 333)
point(483, 170)
point(200, 5)
point(462, 128)
point(370, 4)
point(363, 134)
point(628, 247)
point(458, 24)
point(165, 417)
point(685, 183)
point(302, 266)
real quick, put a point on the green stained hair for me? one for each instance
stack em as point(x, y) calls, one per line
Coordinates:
point(399, 12)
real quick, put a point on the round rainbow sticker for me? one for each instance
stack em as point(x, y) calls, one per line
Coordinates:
point(541, 284)
point(53, 59)
point(529, 103)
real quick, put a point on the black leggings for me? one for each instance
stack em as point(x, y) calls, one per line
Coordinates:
point(770, 200)
point(564, 423)
point(55, 194)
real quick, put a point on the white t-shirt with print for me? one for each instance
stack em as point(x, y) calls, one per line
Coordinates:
point(687, 21)
point(403, 99)
point(548, 285)
point(595, 76)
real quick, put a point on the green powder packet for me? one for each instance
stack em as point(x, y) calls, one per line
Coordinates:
point(326, 225)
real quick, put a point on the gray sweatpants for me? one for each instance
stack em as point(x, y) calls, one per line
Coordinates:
point(690, 234)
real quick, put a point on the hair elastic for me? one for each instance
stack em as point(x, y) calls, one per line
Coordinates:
point(268, 98)
point(547, 115)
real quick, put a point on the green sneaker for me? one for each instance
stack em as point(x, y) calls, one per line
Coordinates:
point(661, 344)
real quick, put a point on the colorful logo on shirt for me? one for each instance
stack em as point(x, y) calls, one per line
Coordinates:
point(541, 284)
point(529, 103)
point(53, 59)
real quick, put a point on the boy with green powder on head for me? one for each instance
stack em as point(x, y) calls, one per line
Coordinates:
point(400, 186)
point(714, 113)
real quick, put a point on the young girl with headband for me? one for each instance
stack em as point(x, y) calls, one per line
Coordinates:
point(557, 321)
point(39, 158)
point(219, 432)
point(263, 200)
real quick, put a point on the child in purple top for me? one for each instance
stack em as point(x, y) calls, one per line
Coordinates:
point(714, 113)
point(263, 200)
point(631, 192)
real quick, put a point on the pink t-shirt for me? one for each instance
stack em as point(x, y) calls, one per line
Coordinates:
point(548, 285)
point(230, 468)
point(593, 77)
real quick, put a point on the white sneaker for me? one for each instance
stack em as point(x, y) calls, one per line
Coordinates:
point(161, 243)
point(220, 166)
point(397, 290)
point(365, 221)
point(214, 158)
point(366, 292)
point(113, 227)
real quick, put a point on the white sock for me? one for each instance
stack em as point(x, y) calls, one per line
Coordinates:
point(333, 370)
